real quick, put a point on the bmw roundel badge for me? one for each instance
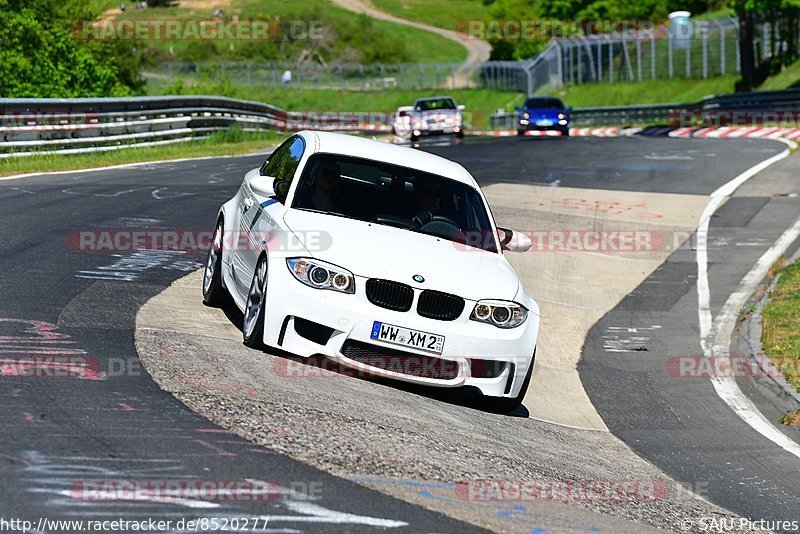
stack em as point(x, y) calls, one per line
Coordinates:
point(418, 278)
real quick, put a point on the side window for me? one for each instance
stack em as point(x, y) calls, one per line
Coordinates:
point(282, 165)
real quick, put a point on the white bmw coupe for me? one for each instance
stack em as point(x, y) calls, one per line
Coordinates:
point(382, 258)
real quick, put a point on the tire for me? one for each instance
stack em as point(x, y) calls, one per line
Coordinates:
point(414, 138)
point(520, 132)
point(214, 293)
point(460, 134)
point(507, 405)
point(565, 132)
point(253, 324)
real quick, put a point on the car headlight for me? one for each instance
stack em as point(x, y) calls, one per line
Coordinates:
point(321, 275)
point(500, 313)
point(560, 115)
point(563, 122)
point(526, 116)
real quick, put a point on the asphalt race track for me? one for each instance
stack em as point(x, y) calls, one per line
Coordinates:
point(57, 300)
point(59, 432)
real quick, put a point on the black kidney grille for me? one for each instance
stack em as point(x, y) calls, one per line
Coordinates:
point(390, 295)
point(439, 306)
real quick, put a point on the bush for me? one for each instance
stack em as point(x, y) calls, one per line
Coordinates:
point(42, 57)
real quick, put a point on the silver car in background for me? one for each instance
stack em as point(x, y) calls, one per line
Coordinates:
point(437, 115)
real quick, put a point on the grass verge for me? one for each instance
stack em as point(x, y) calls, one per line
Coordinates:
point(481, 103)
point(230, 142)
point(346, 36)
point(781, 324)
point(647, 92)
point(447, 14)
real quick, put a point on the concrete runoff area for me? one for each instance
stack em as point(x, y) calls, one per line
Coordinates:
point(575, 287)
point(372, 432)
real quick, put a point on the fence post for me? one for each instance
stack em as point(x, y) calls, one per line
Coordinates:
point(599, 45)
point(705, 55)
point(722, 58)
point(611, 61)
point(560, 58)
point(669, 56)
point(590, 59)
point(688, 61)
point(738, 52)
point(653, 56)
point(627, 58)
point(638, 56)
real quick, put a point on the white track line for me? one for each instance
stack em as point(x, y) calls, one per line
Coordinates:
point(715, 334)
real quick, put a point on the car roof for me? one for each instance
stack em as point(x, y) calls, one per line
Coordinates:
point(434, 98)
point(361, 147)
point(542, 99)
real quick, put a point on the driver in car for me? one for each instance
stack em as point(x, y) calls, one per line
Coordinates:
point(324, 194)
point(427, 197)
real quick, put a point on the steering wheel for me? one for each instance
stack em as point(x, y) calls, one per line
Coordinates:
point(445, 220)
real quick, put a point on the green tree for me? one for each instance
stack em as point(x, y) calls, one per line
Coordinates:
point(43, 54)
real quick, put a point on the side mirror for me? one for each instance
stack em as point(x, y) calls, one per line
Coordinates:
point(513, 241)
point(461, 107)
point(518, 108)
point(569, 108)
point(263, 186)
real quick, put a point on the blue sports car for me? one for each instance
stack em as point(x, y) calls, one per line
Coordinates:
point(543, 113)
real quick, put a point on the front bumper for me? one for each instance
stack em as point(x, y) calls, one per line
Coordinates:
point(290, 306)
point(526, 125)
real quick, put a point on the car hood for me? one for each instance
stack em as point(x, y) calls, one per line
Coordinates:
point(377, 251)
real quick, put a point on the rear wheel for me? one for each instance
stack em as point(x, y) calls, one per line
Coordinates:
point(214, 293)
point(520, 132)
point(509, 404)
point(253, 327)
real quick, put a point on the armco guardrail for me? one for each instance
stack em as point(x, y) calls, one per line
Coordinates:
point(68, 126)
point(786, 100)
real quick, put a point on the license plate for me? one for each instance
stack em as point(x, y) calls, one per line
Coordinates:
point(397, 335)
point(544, 122)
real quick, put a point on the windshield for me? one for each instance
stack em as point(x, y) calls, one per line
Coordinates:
point(435, 103)
point(544, 103)
point(396, 196)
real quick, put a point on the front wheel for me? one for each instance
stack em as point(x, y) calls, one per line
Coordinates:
point(253, 327)
point(214, 293)
point(507, 405)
